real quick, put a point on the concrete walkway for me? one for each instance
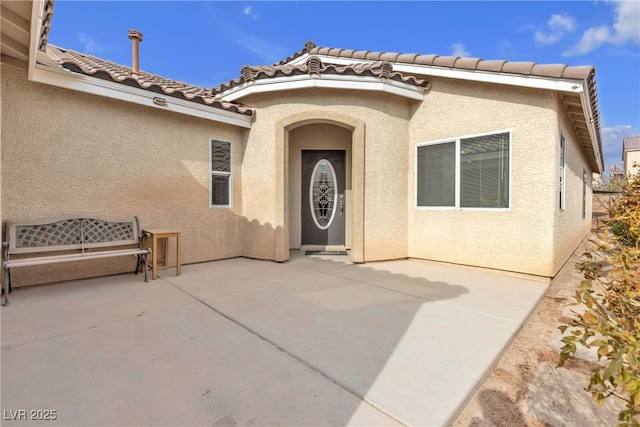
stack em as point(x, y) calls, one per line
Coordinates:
point(314, 341)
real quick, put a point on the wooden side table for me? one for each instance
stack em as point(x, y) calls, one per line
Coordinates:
point(164, 235)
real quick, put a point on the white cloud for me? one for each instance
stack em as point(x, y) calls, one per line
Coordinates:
point(89, 44)
point(265, 50)
point(506, 49)
point(248, 11)
point(559, 25)
point(542, 38)
point(458, 49)
point(627, 25)
point(624, 29)
point(592, 38)
point(214, 79)
point(562, 22)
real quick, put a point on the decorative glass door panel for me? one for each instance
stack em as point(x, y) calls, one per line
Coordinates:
point(322, 194)
point(323, 202)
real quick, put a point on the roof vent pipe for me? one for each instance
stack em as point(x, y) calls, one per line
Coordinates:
point(136, 38)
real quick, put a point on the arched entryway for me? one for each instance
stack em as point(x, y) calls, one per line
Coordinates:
point(320, 186)
point(319, 147)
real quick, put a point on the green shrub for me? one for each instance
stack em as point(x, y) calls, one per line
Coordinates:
point(619, 228)
point(625, 215)
point(610, 293)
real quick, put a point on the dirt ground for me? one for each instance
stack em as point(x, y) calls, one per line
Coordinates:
point(526, 388)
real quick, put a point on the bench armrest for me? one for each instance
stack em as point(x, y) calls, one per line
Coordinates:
point(5, 246)
point(144, 235)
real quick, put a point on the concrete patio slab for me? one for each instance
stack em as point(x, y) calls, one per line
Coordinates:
point(315, 341)
point(184, 366)
point(46, 311)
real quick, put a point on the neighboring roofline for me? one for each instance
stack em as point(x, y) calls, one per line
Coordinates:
point(627, 142)
point(53, 74)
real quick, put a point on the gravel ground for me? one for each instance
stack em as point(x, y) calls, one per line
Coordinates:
point(526, 388)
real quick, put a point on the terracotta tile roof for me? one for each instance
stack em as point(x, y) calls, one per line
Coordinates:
point(46, 24)
point(107, 70)
point(631, 143)
point(570, 101)
point(474, 64)
point(314, 66)
point(110, 71)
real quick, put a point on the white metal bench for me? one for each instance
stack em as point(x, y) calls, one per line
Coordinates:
point(70, 239)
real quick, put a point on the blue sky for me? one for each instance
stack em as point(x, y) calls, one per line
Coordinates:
point(206, 43)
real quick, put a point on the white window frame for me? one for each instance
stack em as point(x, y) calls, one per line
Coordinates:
point(457, 141)
point(584, 193)
point(563, 173)
point(213, 173)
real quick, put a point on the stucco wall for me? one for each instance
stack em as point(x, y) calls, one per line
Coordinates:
point(66, 153)
point(385, 124)
point(112, 159)
point(520, 239)
point(630, 159)
point(570, 227)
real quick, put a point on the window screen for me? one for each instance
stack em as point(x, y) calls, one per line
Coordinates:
point(484, 171)
point(437, 175)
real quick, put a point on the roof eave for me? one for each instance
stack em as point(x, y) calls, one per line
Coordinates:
point(53, 74)
point(37, 21)
point(332, 81)
point(593, 131)
point(565, 85)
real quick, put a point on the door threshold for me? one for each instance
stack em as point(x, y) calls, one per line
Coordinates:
point(324, 250)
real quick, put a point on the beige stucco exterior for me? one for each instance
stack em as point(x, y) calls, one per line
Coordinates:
point(377, 200)
point(525, 237)
point(66, 153)
point(571, 224)
point(630, 159)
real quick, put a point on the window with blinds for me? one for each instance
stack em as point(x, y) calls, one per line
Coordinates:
point(437, 175)
point(469, 172)
point(220, 182)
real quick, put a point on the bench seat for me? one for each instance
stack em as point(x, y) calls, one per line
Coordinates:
point(70, 239)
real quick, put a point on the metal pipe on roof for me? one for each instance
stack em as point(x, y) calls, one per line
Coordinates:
point(136, 38)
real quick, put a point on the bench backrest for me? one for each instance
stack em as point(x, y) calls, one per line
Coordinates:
point(70, 233)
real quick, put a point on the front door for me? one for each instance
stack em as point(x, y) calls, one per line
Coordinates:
point(323, 201)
